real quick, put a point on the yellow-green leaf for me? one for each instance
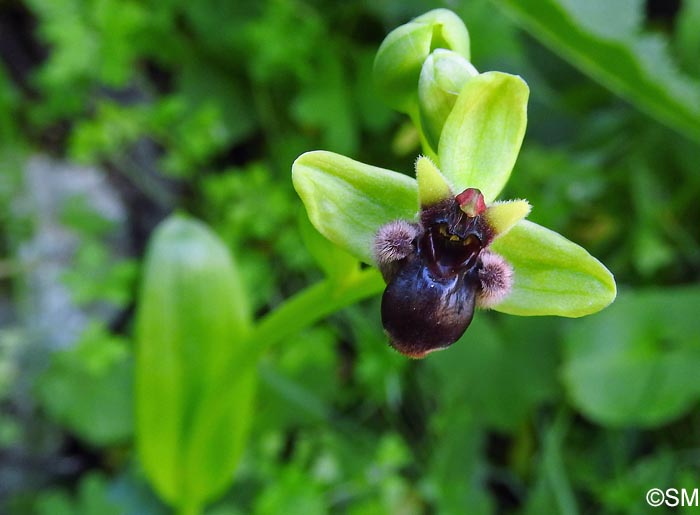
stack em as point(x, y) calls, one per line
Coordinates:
point(193, 405)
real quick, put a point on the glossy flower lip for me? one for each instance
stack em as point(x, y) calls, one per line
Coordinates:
point(439, 269)
point(348, 201)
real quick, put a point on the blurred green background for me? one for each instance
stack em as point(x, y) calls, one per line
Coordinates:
point(115, 113)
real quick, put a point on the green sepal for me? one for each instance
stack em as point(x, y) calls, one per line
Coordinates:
point(442, 77)
point(402, 53)
point(193, 403)
point(336, 263)
point(347, 201)
point(481, 138)
point(432, 186)
point(553, 276)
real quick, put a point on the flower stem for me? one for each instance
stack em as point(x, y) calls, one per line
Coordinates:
point(306, 308)
point(313, 304)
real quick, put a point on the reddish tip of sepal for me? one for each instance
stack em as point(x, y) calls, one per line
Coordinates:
point(471, 201)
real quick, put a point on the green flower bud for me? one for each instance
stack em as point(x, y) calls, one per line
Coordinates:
point(442, 77)
point(400, 57)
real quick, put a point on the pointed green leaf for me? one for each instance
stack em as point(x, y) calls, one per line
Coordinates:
point(432, 186)
point(193, 406)
point(482, 136)
point(553, 276)
point(400, 57)
point(347, 201)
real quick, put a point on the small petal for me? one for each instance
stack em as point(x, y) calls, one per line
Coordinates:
point(482, 136)
point(432, 186)
point(501, 216)
point(348, 201)
point(552, 275)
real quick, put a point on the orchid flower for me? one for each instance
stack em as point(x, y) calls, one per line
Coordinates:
point(443, 242)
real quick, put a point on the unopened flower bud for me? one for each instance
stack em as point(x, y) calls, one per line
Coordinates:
point(442, 77)
point(400, 57)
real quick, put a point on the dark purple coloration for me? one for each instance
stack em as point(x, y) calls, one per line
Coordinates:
point(432, 288)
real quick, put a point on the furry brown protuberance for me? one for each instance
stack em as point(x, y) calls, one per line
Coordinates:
point(496, 278)
point(394, 241)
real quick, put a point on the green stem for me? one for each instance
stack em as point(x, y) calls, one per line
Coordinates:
point(314, 303)
point(306, 308)
point(296, 313)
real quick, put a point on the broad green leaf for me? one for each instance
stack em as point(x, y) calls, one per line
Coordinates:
point(636, 364)
point(482, 136)
point(193, 405)
point(601, 39)
point(347, 201)
point(553, 276)
point(401, 55)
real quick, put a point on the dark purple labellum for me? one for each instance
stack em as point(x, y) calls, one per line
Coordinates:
point(431, 293)
point(423, 311)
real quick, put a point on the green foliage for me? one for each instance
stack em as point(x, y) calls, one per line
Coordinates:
point(101, 414)
point(202, 107)
point(498, 375)
point(637, 364)
point(91, 499)
point(603, 39)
